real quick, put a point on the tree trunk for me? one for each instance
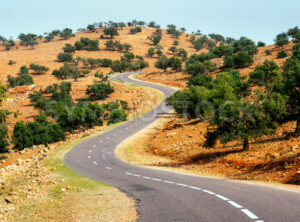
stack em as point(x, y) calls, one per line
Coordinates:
point(246, 145)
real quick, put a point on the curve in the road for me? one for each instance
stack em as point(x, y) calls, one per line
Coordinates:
point(167, 196)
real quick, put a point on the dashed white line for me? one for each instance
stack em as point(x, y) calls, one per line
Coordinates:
point(94, 162)
point(107, 138)
point(209, 192)
point(195, 188)
point(181, 184)
point(249, 214)
point(108, 168)
point(89, 157)
point(236, 205)
point(221, 197)
point(95, 146)
point(170, 182)
point(100, 141)
point(90, 151)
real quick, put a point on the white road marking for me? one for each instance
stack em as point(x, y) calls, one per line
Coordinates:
point(170, 182)
point(128, 173)
point(147, 178)
point(100, 141)
point(95, 146)
point(195, 188)
point(107, 138)
point(259, 221)
point(235, 204)
point(136, 175)
point(209, 192)
point(108, 168)
point(249, 214)
point(90, 151)
point(180, 184)
point(95, 163)
point(89, 157)
point(156, 179)
point(221, 197)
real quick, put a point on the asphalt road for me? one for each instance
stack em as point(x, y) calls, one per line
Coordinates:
point(165, 196)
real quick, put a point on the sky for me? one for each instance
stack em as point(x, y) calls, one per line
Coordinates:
point(260, 20)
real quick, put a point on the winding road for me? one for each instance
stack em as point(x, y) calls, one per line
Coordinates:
point(166, 196)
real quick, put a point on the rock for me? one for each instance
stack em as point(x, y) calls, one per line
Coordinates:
point(63, 190)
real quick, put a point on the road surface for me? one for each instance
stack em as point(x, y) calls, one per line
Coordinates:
point(166, 196)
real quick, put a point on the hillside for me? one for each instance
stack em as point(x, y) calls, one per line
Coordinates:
point(174, 142)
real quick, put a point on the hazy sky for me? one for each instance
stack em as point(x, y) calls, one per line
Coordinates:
point(257, 19)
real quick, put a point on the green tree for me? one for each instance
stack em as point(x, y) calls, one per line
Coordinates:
point(151, 52)
point(240, 60)
point(294, 33)
point(99, 91)
point(162, 63)
point(65, 57)
point(28, 39)
point(23, 79)
point(175, 64)
point(111, 31)
point(38, 69)
point(117, 115)
point(66, 33)
point(173, 49)
point(155, 38)
point(281, 39)
point(69, 48)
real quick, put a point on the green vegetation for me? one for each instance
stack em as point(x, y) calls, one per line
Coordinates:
point(65, 57)
point(87, 44)
point(156, 37)
point(69, 48)
point(281, 39)
point(117, 115)
point(111, 31)
point(282, 54)
point(66, 33)
point(28, 39)
point(99, 91)
point(38, 69)
point(23, 79)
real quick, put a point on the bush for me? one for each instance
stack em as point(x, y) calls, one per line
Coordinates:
point(176, 43)
point(240, 60)
point(281, 39)
point(78, 45)
point(175, 64)
point(223, 50)
point(117, 115)
point(120, 66)
point(261, 44)
point(23, 79)
point(282, 54)
point(38, 69)
point(111, 31)
point(28, 39)
point(128, 57)
point(99, 91)
point(268, 52)
point(155, 37)
point(66, 33)
point(135, 30)
point(245, 45)
point(65, 57)
point(35, 133)
point(69, 48)
point(151, 52)
point(67, 71)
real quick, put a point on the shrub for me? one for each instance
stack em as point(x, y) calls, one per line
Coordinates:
point(268, 52)
point(135, 30)
point(67, 71)
point(155, 37)
point(294, 33)
point(35, 133)
point(23, 79)
point(240, 60)
point(111, 31)
point(128, 57)
point(38, 69)
point(281, 39)
point(117, 115)
point(99, 91)
point(245, 45)
point(175, 43)
point(28, 39)
point(223, 50)
point(162, 63)
point(66, 33)
point(78, 45)
point(175, 64)
point(173, 49)
point(261, 44)
point(65, 57)
point(120, 66)
point(282, 54)
point(69, 48)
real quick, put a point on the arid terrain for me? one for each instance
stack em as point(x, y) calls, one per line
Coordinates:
point(33, 178)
